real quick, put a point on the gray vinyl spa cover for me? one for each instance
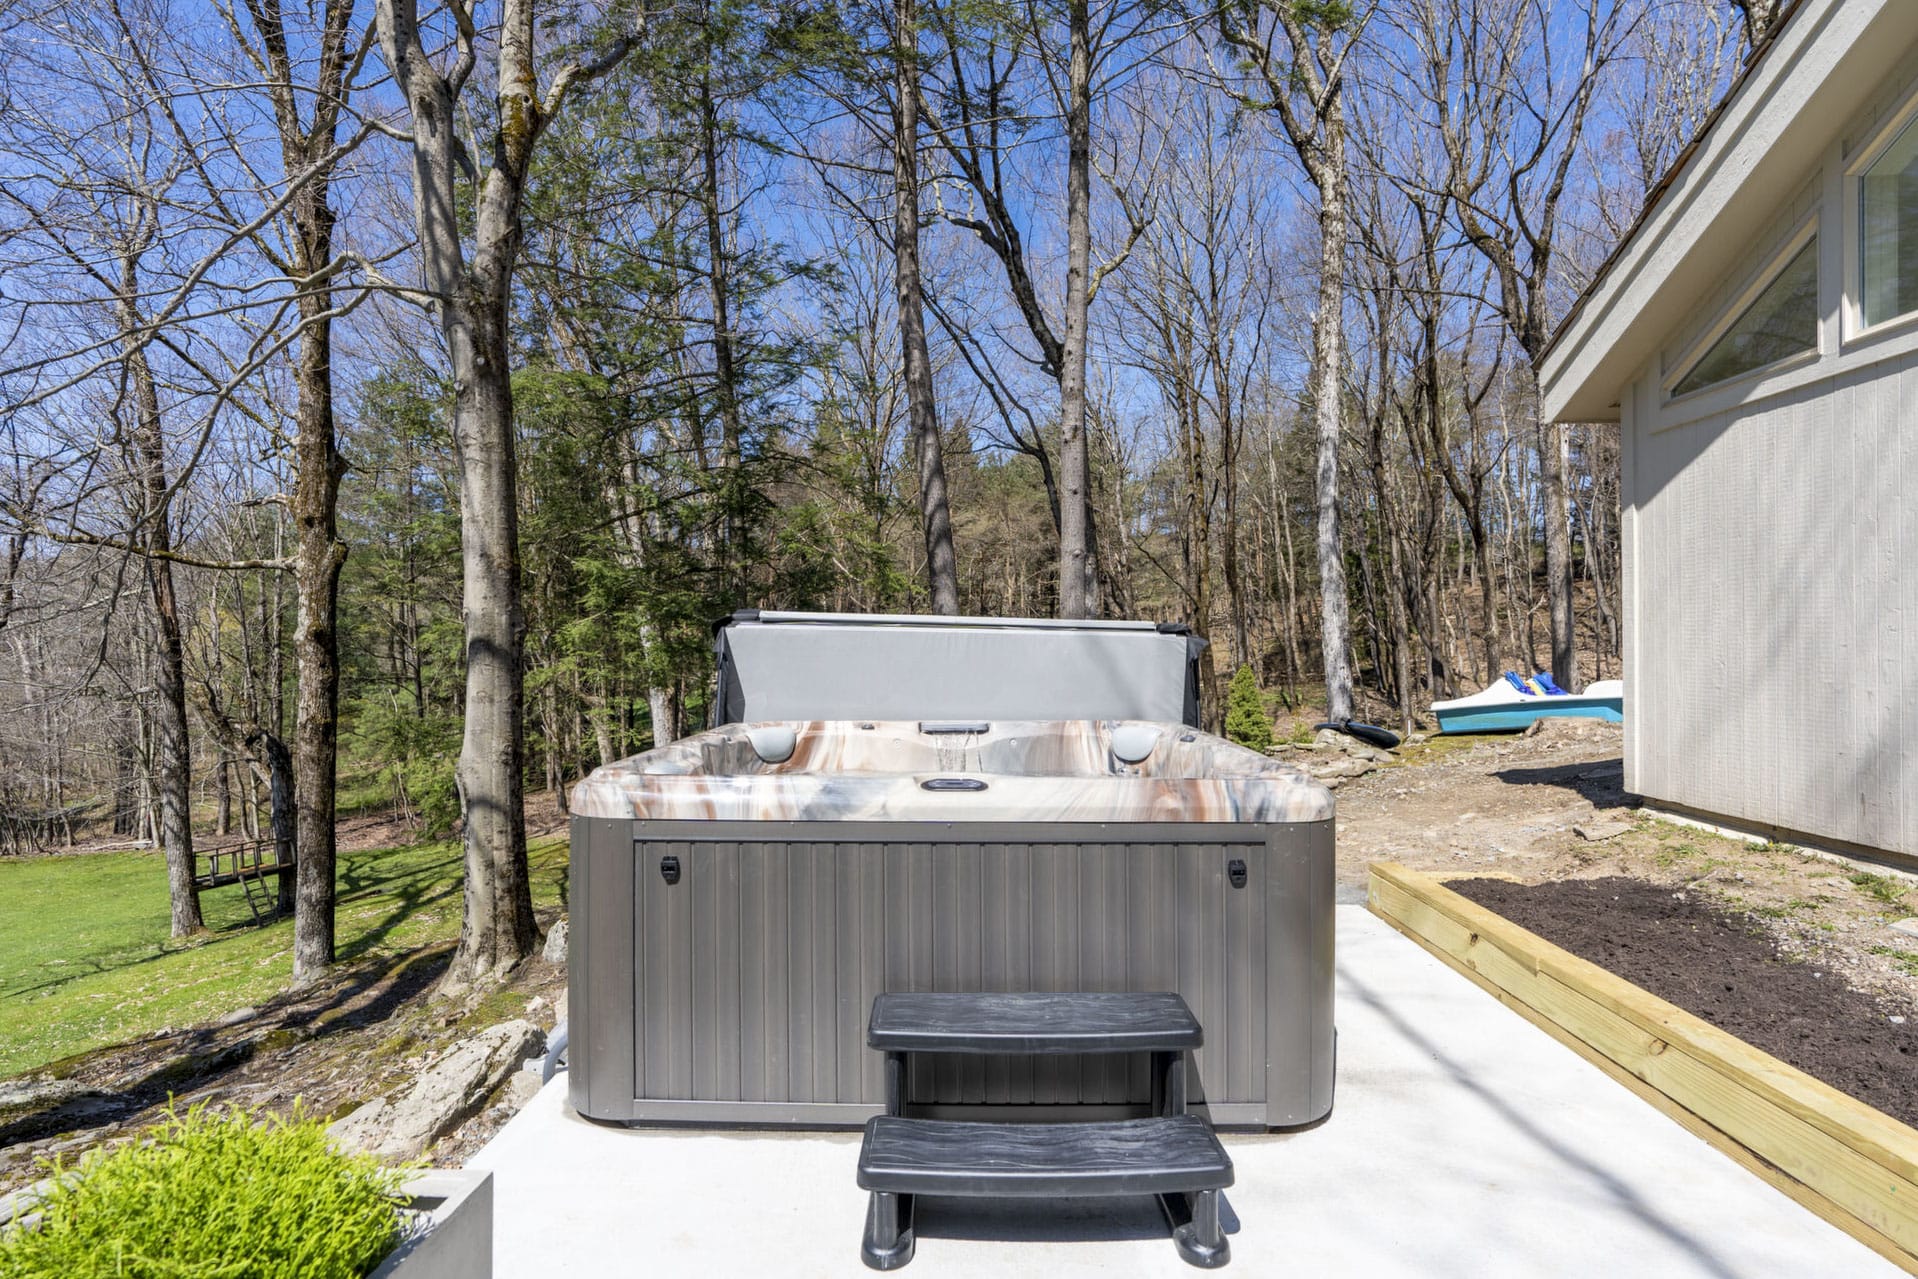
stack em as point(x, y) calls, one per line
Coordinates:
point(843, 666)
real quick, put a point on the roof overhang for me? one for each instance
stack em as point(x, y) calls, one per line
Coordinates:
point(1827, 62)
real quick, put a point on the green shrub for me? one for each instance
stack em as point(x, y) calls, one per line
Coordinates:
point(205, 1196)
point(1245, 719)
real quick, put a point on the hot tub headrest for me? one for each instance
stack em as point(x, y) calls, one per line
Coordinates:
point(1134, 743)
point(773, 743)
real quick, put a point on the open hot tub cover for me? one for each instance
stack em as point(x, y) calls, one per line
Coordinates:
point(846, 666)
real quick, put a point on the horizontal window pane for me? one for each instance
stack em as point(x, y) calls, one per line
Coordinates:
point(1888, 236)
point(1781, 322)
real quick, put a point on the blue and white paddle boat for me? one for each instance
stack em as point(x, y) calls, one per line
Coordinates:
point(1517, 702)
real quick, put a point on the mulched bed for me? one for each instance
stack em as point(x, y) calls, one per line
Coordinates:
point(1722, 968)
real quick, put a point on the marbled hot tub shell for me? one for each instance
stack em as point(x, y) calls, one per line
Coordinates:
point(1031, 771)
point(739, 897)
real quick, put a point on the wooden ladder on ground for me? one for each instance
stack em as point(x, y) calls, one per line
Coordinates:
point(1172, 1154)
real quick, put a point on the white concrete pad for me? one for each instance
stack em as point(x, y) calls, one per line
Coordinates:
point(1463, 1142)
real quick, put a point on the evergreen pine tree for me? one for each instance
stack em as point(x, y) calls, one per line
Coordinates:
point(1245, 719)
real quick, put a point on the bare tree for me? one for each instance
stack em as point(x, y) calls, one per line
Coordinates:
point(104, 178)
point(976, 122)
point(942, 569)
point(1510, 97)
point(471, 292)
point(1682, 52)
point(309, 149)
point(1300, 51)
point(1078, 592)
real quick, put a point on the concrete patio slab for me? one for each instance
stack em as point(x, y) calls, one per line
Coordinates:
point(1464, 1142)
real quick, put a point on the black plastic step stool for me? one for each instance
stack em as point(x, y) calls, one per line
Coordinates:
point(1173, 1155)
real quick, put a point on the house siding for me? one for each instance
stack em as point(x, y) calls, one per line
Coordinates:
point(1771, 570)
point(1769, 539)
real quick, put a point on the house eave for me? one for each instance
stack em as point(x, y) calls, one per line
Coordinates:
point(1758, 148)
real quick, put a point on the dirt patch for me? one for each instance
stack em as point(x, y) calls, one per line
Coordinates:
point(1724, 968)
point(1514, 805)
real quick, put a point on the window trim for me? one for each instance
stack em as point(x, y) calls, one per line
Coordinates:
point(1774, 266)
point(1855, 328)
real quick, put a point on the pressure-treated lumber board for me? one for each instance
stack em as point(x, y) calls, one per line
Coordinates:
point(1817, 1103)
point(1803, 1194)
point(1851, 1164)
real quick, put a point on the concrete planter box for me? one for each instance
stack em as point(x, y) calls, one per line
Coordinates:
point(457, 1241)
point(449, 1226)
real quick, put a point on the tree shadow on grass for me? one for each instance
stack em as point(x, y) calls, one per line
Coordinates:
point(193, 1060)
point(407, 903)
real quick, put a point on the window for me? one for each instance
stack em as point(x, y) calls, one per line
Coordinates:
point(1888, 231)
point(1782, 321)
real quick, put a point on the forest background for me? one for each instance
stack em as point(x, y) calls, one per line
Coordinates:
point(391, 399)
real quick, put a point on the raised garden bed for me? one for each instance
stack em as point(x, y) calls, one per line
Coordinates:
point(1853, 1165)
point(1723, 968)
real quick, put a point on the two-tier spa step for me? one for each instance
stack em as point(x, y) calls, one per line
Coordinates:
point(1172, 1155)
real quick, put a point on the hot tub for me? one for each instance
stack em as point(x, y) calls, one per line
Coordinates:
point(739, 897)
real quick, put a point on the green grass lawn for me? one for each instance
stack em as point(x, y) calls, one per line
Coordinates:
point(85, 960)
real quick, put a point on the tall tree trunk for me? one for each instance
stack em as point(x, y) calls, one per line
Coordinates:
point(942, 570)
point(472, 296)
point(319, 556)
point(732, 531)
point(319, 553)
point(172, 746)
point(498, 929)
point(1328, 358)
point(639, 530)
point(285, 825)
point(1078, 573)
point(1558, 554)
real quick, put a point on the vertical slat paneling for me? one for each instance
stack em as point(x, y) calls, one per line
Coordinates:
point(996, 927)
point(1242, 959)
point(753, 970)
point(776, 1083)
point(802, 936)
point(704, 885)
point(872, 964)
point(723, 949)
point(823, 949)
point(756, 972)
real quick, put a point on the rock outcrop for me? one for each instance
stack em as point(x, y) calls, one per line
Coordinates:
point(450, 1089)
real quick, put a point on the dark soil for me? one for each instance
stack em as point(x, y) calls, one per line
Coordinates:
point(1723, 968)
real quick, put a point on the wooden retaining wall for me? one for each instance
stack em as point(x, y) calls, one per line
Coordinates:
point(1852, 1165)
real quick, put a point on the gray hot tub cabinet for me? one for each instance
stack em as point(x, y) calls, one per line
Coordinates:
point(738, 992)
point(943, 804)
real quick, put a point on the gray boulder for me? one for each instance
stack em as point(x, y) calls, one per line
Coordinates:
point(449, 1090)
point(1327, 739)
point(555, 951)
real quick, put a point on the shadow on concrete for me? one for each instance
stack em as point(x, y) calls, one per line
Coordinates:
point(1538, 1132)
